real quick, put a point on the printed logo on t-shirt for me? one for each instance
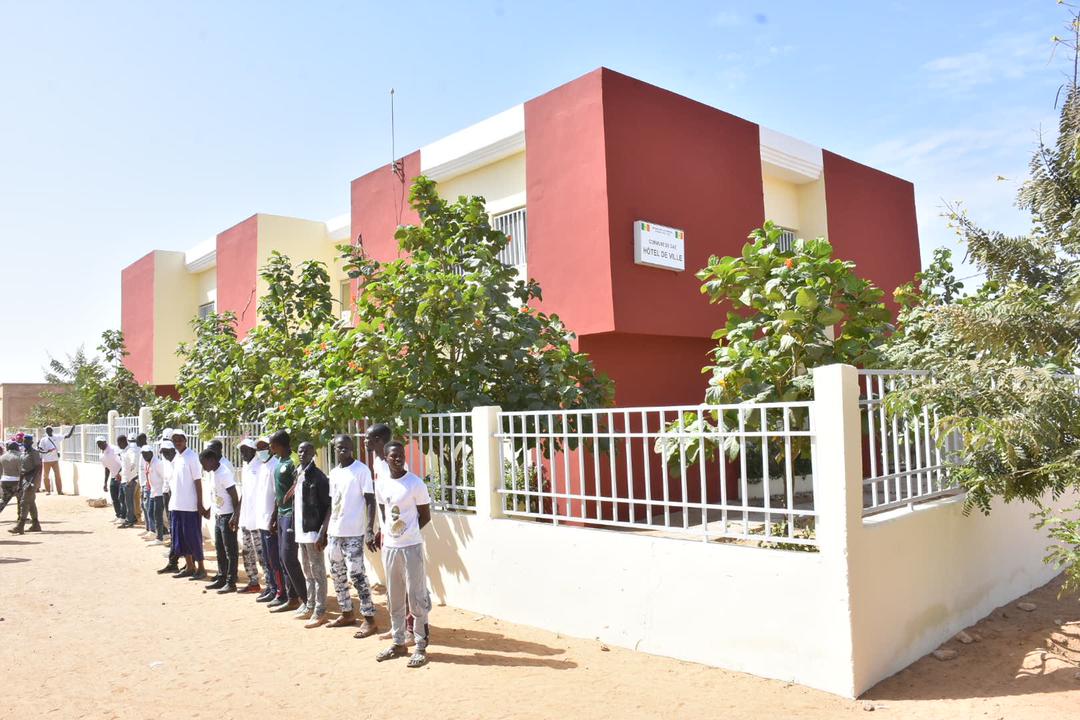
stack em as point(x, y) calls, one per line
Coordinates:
point(338, 505)
point(219, 500)
point(397, 527)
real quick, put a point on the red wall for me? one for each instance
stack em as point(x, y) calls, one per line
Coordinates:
point(676, 162)
point(237, 271)
point(872, 222)
point(379, 204)
point(137, 316)
point(651, 369)
point(566, 187)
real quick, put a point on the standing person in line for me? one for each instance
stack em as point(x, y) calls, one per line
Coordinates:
point(10, 475)
point(378, 436)
point(251, 541)
point(282, 522)
point(110, 460)
point(226, 521)
point(129, 482)
point(154, 468)
point(168, 455)
point(31, 478)
point(263, 507)
point(405, 508)
point(142, 492)
point(49, 447)
point(352, 512)
point(187, 507)
point(311, 513)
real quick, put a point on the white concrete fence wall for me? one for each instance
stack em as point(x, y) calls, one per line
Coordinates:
point(879, 592)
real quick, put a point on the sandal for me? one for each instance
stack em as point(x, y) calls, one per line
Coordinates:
point(418, 659)
point(367, 629)
point(394, 651)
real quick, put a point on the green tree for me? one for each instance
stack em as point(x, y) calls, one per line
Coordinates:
point(1002, 358)
point(92, 386)
point(447, 329)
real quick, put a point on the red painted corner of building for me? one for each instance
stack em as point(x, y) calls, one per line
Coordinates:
point(380, 203)
point(237, 272)
point(137, 316)
point(872, 222)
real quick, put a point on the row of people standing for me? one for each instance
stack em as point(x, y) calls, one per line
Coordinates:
point(279, 515)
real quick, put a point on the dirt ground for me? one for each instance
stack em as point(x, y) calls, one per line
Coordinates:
point(88, 630)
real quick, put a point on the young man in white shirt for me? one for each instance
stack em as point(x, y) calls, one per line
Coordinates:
point(49, 447)
point(168, 455)
point(351, 526)
point(226, 521)
point(129, 481)
point(405, 508)
point(154, 480)
point(251, 541)
point(186, 505)
point(263, 506)
point(378, 435)
point(110, 460)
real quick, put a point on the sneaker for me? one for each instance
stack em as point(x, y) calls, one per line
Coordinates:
point(185, 573)
point(266, 596)
point(278, 602)
point(200, 575)
point(217, 584)
point(34, 528)
point(304, 613)
point(287, 606)
point(251, 588)
point(169, 569)
point(229, 588)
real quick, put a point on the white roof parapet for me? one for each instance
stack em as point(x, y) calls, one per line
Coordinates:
point(488, 141)
point(201, 257)
point(789, 158)
point(339, 227)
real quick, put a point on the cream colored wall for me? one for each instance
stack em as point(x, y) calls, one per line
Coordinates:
point(177, 295)
point(797, 206)
point(502, 184)
point(298, 239)
point(206, 284)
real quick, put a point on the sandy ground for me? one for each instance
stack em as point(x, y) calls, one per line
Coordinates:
point(88, 630)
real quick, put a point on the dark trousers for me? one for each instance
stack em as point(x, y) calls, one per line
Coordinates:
point(129, 501)
point(290, 559)
point(8, 490)
point(28, 506)
point(157, 511)
point(228, 552)
point(117, 495)
point(274, 579)
point(165, 510)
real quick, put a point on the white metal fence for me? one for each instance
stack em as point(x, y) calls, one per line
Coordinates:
point(127, 425)
point(440, 450)
point(732, 472)
point(904, 456)
point(512, 224)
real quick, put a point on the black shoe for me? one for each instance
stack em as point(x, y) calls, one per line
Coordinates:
point(185, 573)
point(278, 601)
point(266, 597)
point(217, 584)
point(200, 575)
point(229, 588)
point(34, 528)
point(170, 569)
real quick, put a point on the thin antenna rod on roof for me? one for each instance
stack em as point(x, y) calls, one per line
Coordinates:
point(398, 165)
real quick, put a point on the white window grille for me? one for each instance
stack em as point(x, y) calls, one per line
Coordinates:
point(206, 308)
point(512, 224)
point(787, 239)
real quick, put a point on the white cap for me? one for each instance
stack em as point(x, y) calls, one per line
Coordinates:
point(248, 443)
point(167, 433)
point(264, 439)
point(166, 445)
point(178, 431)
point(100, 438)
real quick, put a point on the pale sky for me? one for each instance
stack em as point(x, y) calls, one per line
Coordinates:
point(130, 126)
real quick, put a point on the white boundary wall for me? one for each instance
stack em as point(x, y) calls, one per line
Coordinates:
point(880, 592)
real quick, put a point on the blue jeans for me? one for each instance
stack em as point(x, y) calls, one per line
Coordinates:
point(157, 511)
point(148, 512)
point(129, 500)
point(274, 581)
point(117, 498)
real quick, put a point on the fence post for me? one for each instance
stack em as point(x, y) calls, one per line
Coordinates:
point(486, 472)
point(111, 426)
point(838, 500)
point(145, 420)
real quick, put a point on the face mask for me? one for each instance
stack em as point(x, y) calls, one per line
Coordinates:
point(263, 455)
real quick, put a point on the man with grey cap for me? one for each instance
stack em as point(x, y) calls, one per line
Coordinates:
point(129, 478)
point(110, 460)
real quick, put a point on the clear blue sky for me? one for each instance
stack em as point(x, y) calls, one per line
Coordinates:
point(128, 126)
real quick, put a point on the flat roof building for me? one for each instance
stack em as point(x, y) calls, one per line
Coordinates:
point(580, 178)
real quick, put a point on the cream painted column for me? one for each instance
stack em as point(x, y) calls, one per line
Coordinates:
point(146, 419)
point(838, 503)
point(486, 471)
point(111, 425)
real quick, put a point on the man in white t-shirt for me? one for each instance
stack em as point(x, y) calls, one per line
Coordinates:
point(153, 469)
point(263, 504)
point(352, 518)
point(49, 447)
point(226, 520)
point(129, 472)
point(110, 460)
point(405, 508)
point(186, 505)
point(251, 542)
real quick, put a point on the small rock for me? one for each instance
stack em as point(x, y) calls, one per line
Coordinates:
point(964, 638)
point(944, 654)
point(868, 707)
point(604, 648)
point(1027, 606)
point(1004, 615)
point(976, 637)
point(1059, 622)
point(156, 664)
point(478, 618)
